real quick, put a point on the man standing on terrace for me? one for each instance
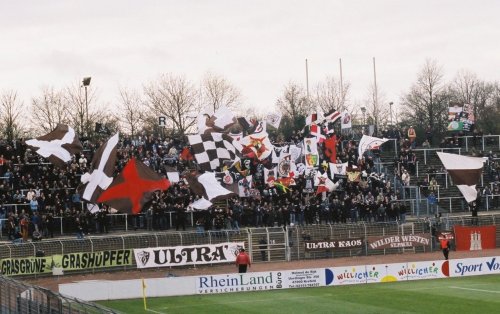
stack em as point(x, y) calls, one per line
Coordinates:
point(412, 136)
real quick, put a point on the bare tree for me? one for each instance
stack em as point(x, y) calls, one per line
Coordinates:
point(427, 102)
point(329, 95)
point(11, 114)
point(173, 97)
point(466, 88)
point(79, 108)
point(48, 110)
point(131, 110)
point(293, 103)
point(108, 118)
point(217, 92)
point(377, 108)
point(294, 106)
point(486, 104)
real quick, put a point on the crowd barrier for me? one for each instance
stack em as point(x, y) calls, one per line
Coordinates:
point(114, 252)
point(18, 297)
point(116, 222)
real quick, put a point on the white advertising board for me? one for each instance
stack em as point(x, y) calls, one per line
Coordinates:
point(475, 266)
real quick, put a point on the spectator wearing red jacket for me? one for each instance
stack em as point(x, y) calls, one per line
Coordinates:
point(243, 261)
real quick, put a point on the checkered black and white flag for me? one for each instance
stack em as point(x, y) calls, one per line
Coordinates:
point(211, 150)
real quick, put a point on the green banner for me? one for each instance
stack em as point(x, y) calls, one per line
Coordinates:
point(67, 262)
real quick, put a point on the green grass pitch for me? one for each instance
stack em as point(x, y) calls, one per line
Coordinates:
point(478, 294)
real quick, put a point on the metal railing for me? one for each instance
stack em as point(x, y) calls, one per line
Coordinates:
point(493, 140)
point(280, 243)
point(116, 222)
point(19, 297)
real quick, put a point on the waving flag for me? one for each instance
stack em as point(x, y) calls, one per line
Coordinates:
point(369, 142)
point(274, 119)
point(101, 171)
point(211, 150)
point(270, 176)
point(323, 183)
point(314, 118)
point(133, 187)
point(311, 152)
point(248, 125)
point(345, 122)
point(465, 172)
point(337, 170)
point(244, 186)
point(276, 154)
point(206, 185)
point(58, 145)
point(331, 148)
point(281, 187)
point(284, 165)
point(186, 154)
point(332, 116)
point(220, 121)
point(316, 131)
point(256, 145)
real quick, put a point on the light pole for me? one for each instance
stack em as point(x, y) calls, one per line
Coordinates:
point(363, 130)
point(86, 83)
point(390, 110)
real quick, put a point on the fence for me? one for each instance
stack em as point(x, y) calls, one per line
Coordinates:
point(17, 297)
point(264, 244)
point(117, 222)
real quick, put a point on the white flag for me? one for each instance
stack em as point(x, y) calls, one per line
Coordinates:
point(274, 119)
point(369, 142)
point(345, 122)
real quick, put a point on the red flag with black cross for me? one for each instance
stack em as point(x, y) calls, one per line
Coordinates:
point(133, 187)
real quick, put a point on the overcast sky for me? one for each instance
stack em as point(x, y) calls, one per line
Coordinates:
point(259, 46)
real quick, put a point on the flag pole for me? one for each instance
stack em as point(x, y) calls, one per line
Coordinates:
point(144, 294)
point(307, 81)
point(341, 85)
point(375, 97)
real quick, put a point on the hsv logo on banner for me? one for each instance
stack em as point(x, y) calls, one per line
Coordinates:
point(475, 238)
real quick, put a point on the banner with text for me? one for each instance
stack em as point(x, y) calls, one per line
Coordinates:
point(333, 244)
point(398, 241)
point(67, 262)
point(187, 255)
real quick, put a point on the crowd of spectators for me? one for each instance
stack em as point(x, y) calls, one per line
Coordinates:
point(36, 197)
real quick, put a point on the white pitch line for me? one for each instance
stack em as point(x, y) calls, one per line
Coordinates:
point(472, 289)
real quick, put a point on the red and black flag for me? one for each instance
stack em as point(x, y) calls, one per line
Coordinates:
point(332, 116)
point(133, 187)
point(331, 149)
point(58, 145)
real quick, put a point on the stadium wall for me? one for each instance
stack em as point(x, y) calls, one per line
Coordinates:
point(287, 279)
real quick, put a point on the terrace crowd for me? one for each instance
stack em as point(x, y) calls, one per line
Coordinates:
point(34, 194)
